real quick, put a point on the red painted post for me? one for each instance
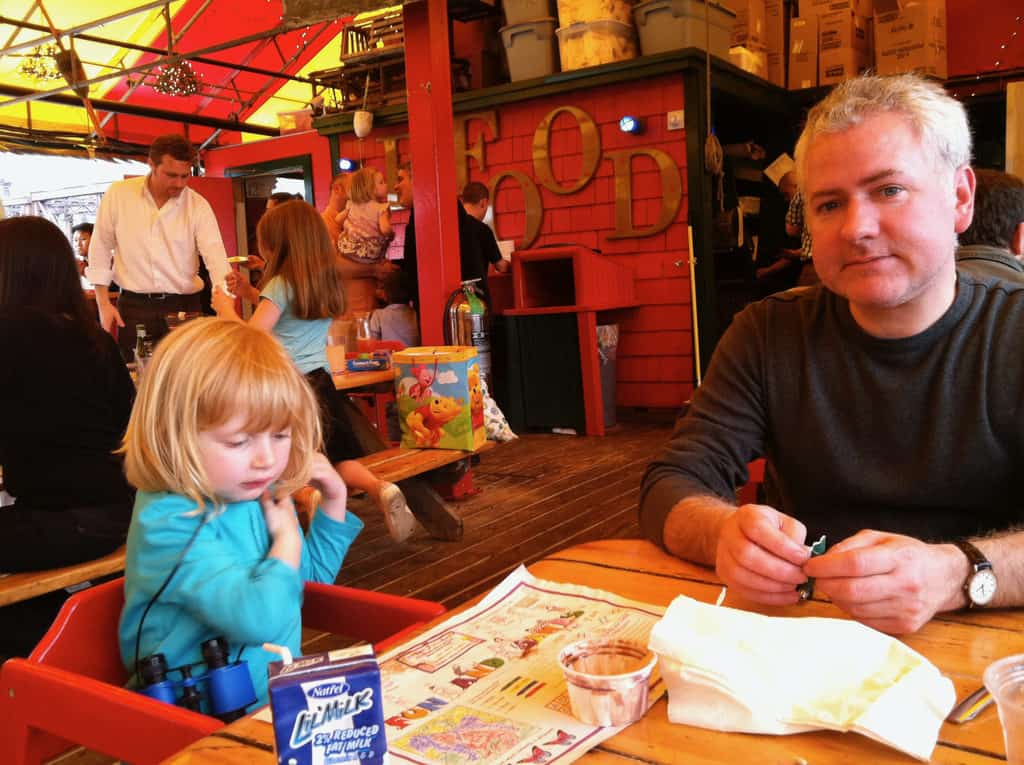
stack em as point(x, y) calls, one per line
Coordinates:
point(428, 78)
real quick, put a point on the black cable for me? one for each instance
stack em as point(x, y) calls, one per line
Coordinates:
point(159, 592)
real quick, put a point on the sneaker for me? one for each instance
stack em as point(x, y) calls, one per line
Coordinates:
point(397, 515)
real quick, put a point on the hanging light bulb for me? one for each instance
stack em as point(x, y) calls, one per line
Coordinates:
point(41, 63)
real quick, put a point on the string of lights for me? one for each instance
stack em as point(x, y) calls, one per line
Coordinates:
point(177, 78)
point(40, 64)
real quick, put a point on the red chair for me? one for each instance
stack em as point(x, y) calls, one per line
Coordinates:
point(69, 690)
point(747, 494)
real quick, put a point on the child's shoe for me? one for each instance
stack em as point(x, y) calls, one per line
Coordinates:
point(397, 515)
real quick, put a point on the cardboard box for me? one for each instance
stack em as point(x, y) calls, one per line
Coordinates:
point(776, 24)
point(439, 397)
point(776, 68)
point(748, 28)
point(803, 53)
point(913, 38)
point(749, 60)
point(840, 64)
point(817, 7)
point(842, 29)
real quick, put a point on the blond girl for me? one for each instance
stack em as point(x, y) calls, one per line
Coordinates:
point(223, 430)
point(366, 220)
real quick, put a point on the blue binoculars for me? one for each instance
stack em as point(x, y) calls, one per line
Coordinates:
point(228, 687)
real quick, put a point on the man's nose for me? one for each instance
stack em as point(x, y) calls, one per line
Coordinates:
point(860, 220)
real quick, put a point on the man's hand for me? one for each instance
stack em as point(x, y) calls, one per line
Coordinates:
point(891, 582)
point(333, 492)
point(109, 315)
point(502, 266)
point(760, 554)
point(223, 303)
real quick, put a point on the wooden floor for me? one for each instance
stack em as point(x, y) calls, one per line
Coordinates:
point(538, 494)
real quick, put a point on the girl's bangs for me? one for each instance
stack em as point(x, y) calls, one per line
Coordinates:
point(267, 394)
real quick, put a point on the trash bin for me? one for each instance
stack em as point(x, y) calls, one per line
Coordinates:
point(607, 343)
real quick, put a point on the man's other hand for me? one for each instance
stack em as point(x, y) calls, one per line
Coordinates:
point(891, 582)
point(109, 315)
point(760, 554)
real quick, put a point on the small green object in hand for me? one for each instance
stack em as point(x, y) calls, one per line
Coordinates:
point(806, 589)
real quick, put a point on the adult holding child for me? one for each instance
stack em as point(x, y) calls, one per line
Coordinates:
point(299, 296)
point(65, 398)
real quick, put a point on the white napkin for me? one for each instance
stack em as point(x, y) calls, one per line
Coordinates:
point(734, 670)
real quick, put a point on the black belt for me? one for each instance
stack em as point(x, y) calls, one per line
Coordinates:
point(155, 295)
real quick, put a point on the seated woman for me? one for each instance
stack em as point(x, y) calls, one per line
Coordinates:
point(65, 398)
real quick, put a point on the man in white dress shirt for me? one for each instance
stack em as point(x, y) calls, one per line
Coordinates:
point(148, 235)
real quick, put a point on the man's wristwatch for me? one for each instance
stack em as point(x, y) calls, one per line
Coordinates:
point(980, 585)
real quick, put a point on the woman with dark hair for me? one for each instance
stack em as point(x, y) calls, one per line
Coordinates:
point(65, 398)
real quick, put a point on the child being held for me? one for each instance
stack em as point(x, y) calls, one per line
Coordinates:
point(398, 320)
point(366, 220)
point(224, 429)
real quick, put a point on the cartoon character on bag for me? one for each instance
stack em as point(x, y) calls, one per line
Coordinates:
point(427, 422)
point(476, 397)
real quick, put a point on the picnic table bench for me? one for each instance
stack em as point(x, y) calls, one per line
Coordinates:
point(18, 587)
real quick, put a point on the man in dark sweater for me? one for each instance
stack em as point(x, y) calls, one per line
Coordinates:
point(886, 400)
point(993, 245)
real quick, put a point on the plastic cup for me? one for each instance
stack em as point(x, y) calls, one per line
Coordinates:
point(1005, 681)
point(336, 354)
point(607, 680)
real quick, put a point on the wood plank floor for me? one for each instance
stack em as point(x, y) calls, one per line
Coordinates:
point(538, 494)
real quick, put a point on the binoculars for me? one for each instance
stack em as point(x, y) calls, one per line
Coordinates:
point(228, 687)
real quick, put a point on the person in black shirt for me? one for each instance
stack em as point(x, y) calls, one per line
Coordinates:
point(65, 398)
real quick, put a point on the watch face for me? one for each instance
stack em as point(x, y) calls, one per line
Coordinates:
point(982, 587)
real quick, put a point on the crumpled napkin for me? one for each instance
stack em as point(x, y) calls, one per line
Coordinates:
point(733, 670)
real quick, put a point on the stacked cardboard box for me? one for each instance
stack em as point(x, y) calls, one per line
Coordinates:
point(760, 31)
point(912, 38)
point(829, 41)
point(842, 46)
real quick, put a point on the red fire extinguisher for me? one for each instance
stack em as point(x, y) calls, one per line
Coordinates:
point(465, 323)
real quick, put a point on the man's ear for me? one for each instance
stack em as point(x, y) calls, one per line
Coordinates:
point(1017, 241)
point(964, 183)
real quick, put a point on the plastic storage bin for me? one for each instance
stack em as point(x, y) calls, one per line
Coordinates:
point(664, 25)
point(521, 11)
point(596, 42)
point(530, 48)
point(574, 11)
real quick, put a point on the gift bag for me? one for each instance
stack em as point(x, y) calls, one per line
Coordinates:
point(440, 399)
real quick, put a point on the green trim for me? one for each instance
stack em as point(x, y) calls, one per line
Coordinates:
point(303, 162)
point(761, 94)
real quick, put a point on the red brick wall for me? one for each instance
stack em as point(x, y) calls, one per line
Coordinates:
point(655, 357)
point(655, 361)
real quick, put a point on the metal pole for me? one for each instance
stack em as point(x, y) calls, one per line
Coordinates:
point(6, 20)
point(145, 111)
point(82, 27)
point(36, 95)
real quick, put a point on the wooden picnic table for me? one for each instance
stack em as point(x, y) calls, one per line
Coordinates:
point(961, 645)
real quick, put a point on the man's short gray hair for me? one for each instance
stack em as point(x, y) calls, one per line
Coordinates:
point(939, 120)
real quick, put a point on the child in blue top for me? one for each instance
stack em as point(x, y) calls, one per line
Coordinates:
point(301, 292)
point(223, 431)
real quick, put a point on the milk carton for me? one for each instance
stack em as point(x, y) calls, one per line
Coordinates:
point(328, 709)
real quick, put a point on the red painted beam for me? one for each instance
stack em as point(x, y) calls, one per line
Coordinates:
point(428, 78)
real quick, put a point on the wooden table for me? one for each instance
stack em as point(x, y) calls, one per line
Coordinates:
point(353, 380)
point(960, 644)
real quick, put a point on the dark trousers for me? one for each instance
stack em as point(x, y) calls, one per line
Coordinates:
point(150, 310)
point(32, 539)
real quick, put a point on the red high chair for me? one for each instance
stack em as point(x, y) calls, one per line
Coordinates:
point(69, 690)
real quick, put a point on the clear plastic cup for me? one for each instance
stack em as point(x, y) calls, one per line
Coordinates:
point(607, 679)
point(336, 354)
point(1005, 681)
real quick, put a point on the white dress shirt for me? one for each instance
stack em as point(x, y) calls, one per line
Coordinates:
point(145, 248)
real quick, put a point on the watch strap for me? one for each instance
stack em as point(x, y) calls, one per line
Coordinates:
point(974, 555)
